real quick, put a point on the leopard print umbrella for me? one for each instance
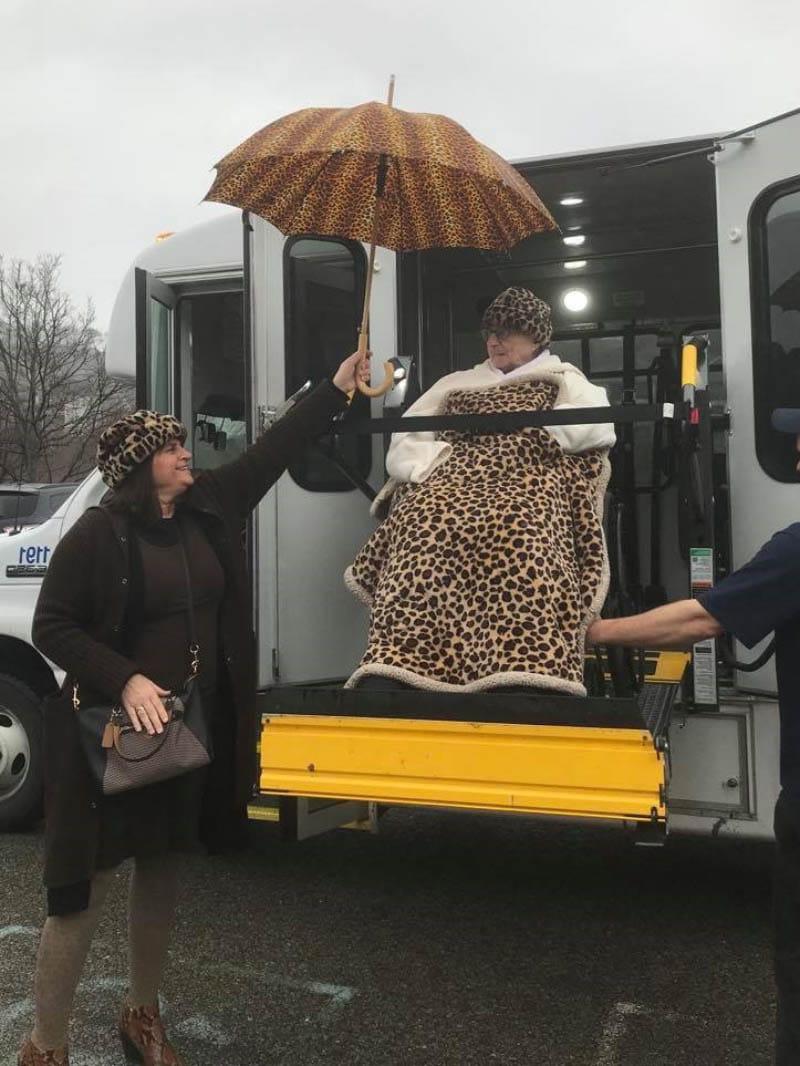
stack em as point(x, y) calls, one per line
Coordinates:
point(316, 170)
point(376, 174)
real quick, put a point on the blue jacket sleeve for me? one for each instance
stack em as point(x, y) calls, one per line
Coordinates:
point(764, 594)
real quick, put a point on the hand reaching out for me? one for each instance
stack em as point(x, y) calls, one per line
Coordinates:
point(352, 370)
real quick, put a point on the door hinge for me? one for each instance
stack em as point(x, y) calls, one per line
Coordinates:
point(745, 139)
point(275, 668)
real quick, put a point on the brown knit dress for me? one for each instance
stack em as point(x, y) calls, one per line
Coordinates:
point(165, 817)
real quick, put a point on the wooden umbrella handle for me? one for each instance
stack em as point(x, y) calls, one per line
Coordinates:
point(363, 332)
point(388, 369)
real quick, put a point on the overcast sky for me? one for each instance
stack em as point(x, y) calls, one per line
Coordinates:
point(114, 111)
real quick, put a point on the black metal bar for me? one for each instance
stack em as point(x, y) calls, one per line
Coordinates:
point(497, 707)
point(630, 531)
point(421, 339)
point(589, 257)
point(705, 149)
point(586, 358)
point(247, 324)
point(451, 344)
point(249, 371)
point(593, 331)
point(140, 317)
point(715, 145)
point(603, 158)
point(510, 422)
point(655, 590)
point(344, 468)
point(706, 452)
point(615, 375)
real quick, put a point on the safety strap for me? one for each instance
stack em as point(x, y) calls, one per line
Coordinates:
point(194, 647)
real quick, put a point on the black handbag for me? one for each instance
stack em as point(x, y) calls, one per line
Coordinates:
point(122, 758)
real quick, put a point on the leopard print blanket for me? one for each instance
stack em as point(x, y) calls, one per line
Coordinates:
point(488, 573)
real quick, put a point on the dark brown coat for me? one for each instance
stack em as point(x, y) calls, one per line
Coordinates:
point(80, 617)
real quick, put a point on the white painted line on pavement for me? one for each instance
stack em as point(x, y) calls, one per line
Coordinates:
point(104, 984)
point(17, 930)
point(608, 1051)
point(84, 1058)
point(16, 1016)
point(198, 1027)
point(18, 1009)
point(614, 1030)
point(340, 995)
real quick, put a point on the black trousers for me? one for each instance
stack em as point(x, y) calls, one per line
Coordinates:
point(787, 929)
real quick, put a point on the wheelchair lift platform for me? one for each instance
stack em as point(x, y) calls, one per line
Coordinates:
point(545, 755)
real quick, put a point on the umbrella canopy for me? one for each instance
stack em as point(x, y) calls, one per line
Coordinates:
point(373, 173)
point(326, 170)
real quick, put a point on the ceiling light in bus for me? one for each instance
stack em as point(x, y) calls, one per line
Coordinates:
point(575, 300)
point(574, 264)
point(571, 201)
point(575, 239)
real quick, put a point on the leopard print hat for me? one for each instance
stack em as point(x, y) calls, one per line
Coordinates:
point(521, 311)
point(132, 439)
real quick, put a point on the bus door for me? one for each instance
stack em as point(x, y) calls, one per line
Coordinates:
point(306, 296)
point(190, 359)
point(758, 205)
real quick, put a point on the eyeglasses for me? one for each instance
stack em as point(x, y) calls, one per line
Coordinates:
point(498, 334)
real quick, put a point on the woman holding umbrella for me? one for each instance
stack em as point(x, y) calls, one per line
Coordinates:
point(118, 630)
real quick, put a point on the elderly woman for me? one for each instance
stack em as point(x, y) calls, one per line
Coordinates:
point(491, 562)
point(113, 613)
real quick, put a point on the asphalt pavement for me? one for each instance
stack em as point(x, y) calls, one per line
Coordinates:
point(446, 940)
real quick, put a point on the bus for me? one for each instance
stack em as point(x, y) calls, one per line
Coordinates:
point(689, 246)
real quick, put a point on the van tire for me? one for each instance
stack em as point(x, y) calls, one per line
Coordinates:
point(21, 754)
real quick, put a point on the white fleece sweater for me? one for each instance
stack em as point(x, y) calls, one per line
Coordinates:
point(414, 456)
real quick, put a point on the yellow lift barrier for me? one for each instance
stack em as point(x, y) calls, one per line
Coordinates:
point(585, 758)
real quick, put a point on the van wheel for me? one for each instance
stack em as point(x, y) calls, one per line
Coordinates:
point(21, 753)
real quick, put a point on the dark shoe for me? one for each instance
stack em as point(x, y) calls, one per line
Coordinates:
point(144, 1040)
point(30, 1055)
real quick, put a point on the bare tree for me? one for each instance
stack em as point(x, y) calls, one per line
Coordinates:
point(55, 396)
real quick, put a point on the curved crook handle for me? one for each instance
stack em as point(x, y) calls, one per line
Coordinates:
point(388, 383)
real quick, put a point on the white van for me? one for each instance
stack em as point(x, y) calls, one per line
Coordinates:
point(698, 238)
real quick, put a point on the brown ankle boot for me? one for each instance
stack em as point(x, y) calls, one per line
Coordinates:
point(144, 1040)
point(30, 1055)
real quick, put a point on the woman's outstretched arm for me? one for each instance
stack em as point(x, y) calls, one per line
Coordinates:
point(241, 484)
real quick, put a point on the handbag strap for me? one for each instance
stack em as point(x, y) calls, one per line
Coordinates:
point(194, 647)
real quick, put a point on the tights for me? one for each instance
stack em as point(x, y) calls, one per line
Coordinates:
point(66, 940)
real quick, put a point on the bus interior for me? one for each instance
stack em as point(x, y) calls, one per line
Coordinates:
point(632, 271)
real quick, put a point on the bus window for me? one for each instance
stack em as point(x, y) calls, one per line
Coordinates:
point(155, 327)
point(160, 357)
point(775, 296)
point(211, 338)
point(324, 282)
